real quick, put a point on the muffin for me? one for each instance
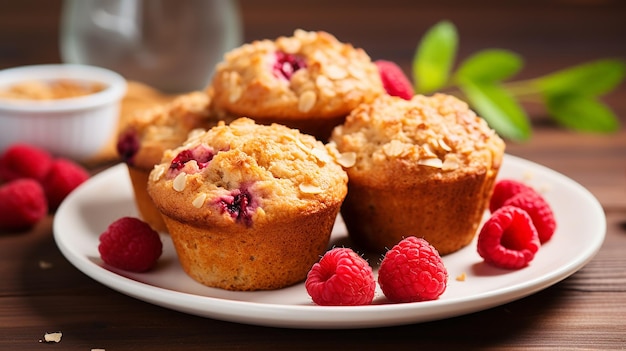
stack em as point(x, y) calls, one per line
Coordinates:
point(309, 81)
point(424, 167)
point(249, 206)
point(145, 137)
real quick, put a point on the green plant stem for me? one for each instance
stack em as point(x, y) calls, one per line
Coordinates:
point(522, 87)
point(524, 90)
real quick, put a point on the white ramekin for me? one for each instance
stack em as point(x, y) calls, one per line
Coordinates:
point(78, 127)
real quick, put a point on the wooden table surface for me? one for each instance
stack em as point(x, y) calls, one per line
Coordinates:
point(585, 311)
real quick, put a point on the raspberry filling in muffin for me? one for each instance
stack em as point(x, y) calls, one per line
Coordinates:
point(287, 64)
point(240, 205)
point(128, 145)
point(201, 155)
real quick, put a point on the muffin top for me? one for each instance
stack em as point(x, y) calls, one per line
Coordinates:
point(310, 74)
point(436, 137)
point(150, 132)
point(246, 173)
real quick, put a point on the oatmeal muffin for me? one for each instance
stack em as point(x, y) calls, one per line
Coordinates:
point(423, 167)
point(149, 133)
point(309, 81)
point(249, 206)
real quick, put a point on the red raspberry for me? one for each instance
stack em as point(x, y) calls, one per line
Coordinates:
point(504, 190)
point(508, 239)
point(341, 277)
point(239, 204)
point(539, 211)
point(287, 64)
point(128, 145)
point(412, 271)
point(64, 176)
point(22, 204)
point(24, 161)
point(201, 154)
point(130, 244)
point(394, 80)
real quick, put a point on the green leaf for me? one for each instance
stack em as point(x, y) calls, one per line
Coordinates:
point(582, 113)
point(593, 78)
point(498, 108)
point(489, 66)
point(434, 57)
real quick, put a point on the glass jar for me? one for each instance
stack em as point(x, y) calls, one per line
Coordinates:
point(171, 45)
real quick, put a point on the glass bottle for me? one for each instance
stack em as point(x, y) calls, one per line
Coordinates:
point(171, 45)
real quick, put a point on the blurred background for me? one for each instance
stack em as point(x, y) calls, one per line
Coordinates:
point(549, 34)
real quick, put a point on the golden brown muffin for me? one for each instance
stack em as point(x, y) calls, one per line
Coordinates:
point(309, 81)
point(249, 206)
point(149, 133)
point(424, 167)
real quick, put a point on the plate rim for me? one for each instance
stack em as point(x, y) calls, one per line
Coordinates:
point(317, 317)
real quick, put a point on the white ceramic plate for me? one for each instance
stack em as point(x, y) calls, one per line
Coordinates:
point(108, 196)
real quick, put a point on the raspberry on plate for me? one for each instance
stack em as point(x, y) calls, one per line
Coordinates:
point(64, 176)
point(504, 190)
point(22, 204)
point(508, 239)
point(24, 161)
point(412, 271)
point(341, 278)
point(394, 80)
point(539, 211)
point(130, 244)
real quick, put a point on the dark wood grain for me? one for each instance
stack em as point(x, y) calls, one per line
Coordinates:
point(585, 311)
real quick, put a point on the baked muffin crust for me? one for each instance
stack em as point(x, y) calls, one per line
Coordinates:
point(249, 206)
point(423, 167)
point(432, 137)
point(150, 132)
point(293, 80)
point(282, 171)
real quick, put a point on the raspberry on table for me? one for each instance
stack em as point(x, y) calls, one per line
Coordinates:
point(412, 271)
point(504, 190)
point(508, 239)
point(539, 211)
point(64, 176)
point(22, 204)
point(24, 161)
point(341, 278)
point(394, 80)
point(130, 244)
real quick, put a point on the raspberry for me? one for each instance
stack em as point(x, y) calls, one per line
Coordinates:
point(341, 277)
point(127, 146)
point(394, 80)
point(539, 211)
point(239, 205)
point(201, 154)
point(130, 244)
point(64, 176)
point(24, 161)
point(22, 204)
point(287, 64)
point(412, 271)
point(505, 189)
point(508, 239)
